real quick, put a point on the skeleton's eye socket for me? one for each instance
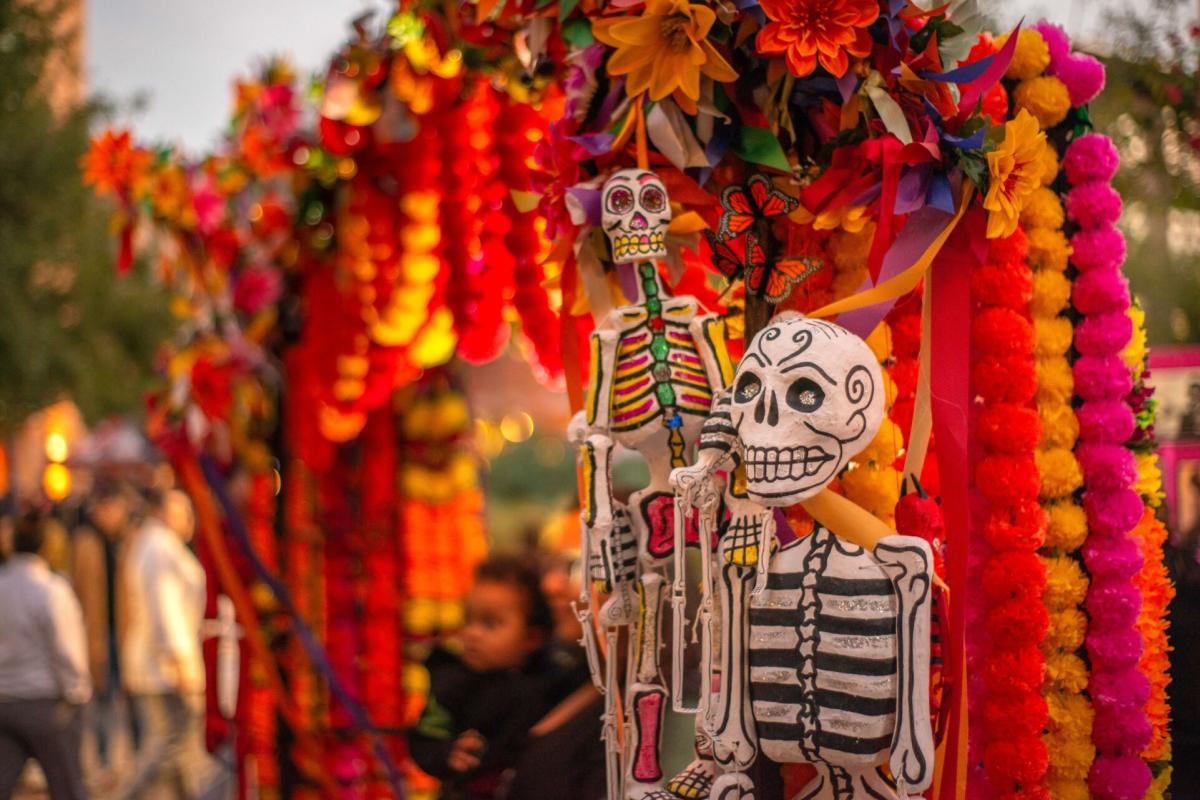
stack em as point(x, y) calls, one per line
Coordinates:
point(620, 200)
point(653, 199)
point(805, 395)
point(748, 387)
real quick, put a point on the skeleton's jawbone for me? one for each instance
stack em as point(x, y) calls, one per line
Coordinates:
point(784, 494)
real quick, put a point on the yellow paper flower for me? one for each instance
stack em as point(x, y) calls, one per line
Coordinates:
point(1052, 336)
point(1051, 293)
point(1060, 471)
point(1015, 168)
point(1049, 157)
point(1067, 788)
point(1060, 426)
point(1067, 670)
point(1066, 631)
point(664, 51)
point(1048, 249)
point(1066, 585)
point(1149, 479)
point(1030, 57)
point(1066, 526)
point(1134, 353)
point(1042, 210)
point(1046, 98)
point(1056, 382)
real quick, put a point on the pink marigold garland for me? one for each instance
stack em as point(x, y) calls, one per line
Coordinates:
point(1011, 711)
point(1102, 381)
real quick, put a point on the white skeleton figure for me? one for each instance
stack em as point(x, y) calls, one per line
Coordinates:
point(825, 652)
point(655, 365)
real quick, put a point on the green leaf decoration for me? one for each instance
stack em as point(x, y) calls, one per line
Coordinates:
point(759, 146)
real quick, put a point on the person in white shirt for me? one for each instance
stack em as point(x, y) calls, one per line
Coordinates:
point(44, 678)
point(163, 664)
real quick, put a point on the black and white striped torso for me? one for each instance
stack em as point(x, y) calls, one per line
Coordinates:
point(823, 655)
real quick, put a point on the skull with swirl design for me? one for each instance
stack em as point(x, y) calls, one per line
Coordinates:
point(807, 398)
point(635, 214)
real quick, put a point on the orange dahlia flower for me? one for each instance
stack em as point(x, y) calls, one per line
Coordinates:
point(1015, 169)
point(665, 50)
point(808, 31)
point(113, 164)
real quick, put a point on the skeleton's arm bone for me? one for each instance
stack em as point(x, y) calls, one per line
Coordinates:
point(598, 403)
point(708, 332)
point(847, 519)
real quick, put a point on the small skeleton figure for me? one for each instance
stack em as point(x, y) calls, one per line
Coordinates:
point(824, 642)
point(655, 365)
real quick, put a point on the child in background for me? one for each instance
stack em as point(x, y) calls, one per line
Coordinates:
point(482, 705)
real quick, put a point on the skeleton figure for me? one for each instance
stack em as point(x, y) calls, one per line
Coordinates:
point(830, 641)
point(655, 365)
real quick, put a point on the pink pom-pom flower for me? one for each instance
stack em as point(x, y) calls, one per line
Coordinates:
point(1092, 157)
point(1101, 378)
point(1106, 467)
point(1119, 559)
point(1112, 514)
point(1099, 291)
point(1098, 248)
point(1113, 604)
point(1094, 204)
point(1057, 40)
point(1119, 778)
point(1083, 75)
point(1105, 421)
point(1103, 334)
point(1113, 650)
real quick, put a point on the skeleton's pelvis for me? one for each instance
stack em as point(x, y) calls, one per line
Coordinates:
point(823, 655)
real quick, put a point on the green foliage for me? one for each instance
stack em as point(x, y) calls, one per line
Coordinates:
point(69, 327)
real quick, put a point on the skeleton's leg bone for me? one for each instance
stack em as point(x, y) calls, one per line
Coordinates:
point(735, 744)
point(613, 760)
point(649, 629)
point(908, 561)
point(644, 768)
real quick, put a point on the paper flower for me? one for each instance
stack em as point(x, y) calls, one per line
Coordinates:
point(112, 164)
point(665, 50)
point(1015, 168)
point(810, 31)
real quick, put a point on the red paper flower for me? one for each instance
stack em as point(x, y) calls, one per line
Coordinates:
point(808, 31)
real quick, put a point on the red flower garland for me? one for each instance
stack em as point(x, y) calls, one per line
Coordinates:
point(1012, 712)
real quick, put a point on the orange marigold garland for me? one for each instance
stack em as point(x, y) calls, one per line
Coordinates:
point(1152, 580)
point(1068, 733)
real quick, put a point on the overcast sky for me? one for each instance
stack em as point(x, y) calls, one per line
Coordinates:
point(182, 56)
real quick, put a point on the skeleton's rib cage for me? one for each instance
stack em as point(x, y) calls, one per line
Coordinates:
point(823, 655)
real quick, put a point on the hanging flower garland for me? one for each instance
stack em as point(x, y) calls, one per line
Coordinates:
point(1068, 734)
point(1152, 579)
point(1100, 295)
point(1008, 704)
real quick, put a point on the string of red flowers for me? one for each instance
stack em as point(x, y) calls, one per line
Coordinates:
point(480, 269)
point(1100, 295)
point(1005, 564)
point(518, 131)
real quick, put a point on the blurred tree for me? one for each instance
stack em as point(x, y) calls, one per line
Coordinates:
point(1151, 109)
point(69, 327)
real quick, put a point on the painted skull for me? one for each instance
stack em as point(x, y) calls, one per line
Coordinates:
point(635, 215)
point(807, 397)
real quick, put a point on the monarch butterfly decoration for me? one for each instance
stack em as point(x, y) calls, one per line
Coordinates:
point(741, 244)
